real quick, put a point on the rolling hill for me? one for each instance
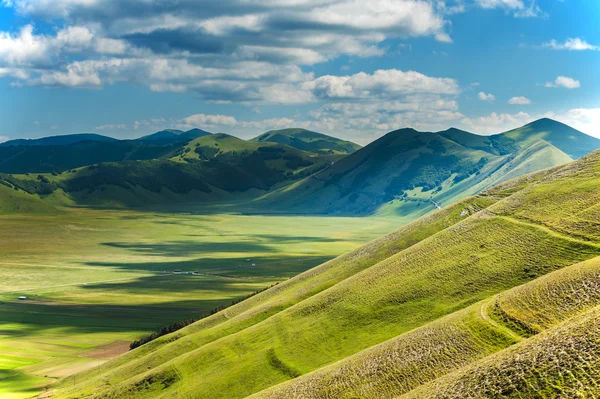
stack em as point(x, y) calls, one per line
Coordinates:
point(58, 140)
point(404, 173)
point(480, 298)
point(408, 172)
point(173, 136)
point(307, 140)
point(211, 168)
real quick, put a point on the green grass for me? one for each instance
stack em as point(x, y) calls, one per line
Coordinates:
point(429, 270)
point(98, 276)
point(467, 336)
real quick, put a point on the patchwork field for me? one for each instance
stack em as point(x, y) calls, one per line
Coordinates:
point(96, 280)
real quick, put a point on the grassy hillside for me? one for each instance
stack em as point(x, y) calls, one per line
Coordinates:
point(306, 140)
point(17, 201)
point(209, 169)
point(460, 339)
point(447, 263)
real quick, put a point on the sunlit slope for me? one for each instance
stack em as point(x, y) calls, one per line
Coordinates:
point(13, 202)
point(562, 361)
point(440, 347)
point(480, 256)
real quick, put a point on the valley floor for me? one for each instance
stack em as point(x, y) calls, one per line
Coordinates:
point(98, 279)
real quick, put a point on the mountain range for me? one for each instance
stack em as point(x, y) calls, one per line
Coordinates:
point(405, 172)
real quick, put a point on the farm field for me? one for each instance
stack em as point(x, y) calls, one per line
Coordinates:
point(98, 279)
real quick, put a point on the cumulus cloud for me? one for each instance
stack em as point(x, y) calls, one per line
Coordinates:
point(112, 126)
point(564, 81)
point(382, 84)
point(519, 8)
point(206, 120)
point(486, 97)
point(572, 44)
point(520, 100)
point(245, 51)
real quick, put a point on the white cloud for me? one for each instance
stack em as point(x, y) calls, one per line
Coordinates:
point(232, 51)
point(564, 81)
point(206, 120)
point(382, 84)
point(586, 120)
point(519, 8)
point(520, 100)
point(495, 123)
point(4, 138)
point(120, 126)
point(486, 97)
point(572, 44)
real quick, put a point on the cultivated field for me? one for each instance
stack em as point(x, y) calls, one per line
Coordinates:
point(96, 280)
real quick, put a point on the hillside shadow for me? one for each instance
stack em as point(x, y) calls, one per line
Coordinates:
point(189, 248)
point(266, 266)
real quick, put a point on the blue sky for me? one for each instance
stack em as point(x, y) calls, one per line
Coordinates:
point(349, 68)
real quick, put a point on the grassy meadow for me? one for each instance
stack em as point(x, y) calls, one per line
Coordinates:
point(98, 279)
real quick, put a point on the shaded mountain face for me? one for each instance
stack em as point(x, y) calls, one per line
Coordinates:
point(496, 296)
point(411, 172)
point(59, 158)
point(58, 140)
point(306, 140)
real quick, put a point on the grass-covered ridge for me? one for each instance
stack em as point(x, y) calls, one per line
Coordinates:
point(307, 140)
point(309, 323)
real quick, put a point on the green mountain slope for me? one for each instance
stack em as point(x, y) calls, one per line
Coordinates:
point(447, 263)
point(410, 173)
point(208, 169)
point(306, 140)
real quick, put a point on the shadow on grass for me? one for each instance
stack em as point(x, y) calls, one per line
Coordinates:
point(266, 266)
point(188, 248)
